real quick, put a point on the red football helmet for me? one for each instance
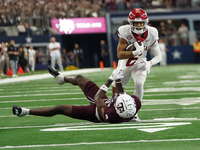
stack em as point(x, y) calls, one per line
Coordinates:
point(138, 15)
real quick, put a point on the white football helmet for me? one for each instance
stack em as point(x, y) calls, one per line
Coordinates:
point(138, 15)
point(125, 106)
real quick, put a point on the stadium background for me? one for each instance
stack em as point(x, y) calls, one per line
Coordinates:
point(89, 42)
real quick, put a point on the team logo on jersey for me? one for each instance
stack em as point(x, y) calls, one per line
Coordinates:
point(129, 37)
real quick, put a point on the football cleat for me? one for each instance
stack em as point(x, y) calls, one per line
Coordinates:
point(16, 110)
point(56, 74)
point(53, 71)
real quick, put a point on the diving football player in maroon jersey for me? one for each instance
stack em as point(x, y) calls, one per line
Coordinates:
point(122, 108)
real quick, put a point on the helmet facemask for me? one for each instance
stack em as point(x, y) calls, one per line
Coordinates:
point(135, 29)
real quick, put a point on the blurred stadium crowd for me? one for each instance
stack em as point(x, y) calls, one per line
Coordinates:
point(12, 11)
point(32, 17)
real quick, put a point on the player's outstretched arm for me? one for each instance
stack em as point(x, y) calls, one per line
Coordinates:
point(100, 104)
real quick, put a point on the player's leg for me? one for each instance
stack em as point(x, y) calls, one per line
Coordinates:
point(139, 77)
point(77, 112)
point(46, 112)
point(139, 80)
point(75, 80)
point(139, 85)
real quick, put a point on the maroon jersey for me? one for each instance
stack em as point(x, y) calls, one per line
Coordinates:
point(90, 112)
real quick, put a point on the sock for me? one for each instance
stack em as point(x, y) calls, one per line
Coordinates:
point(24, 112)
point(60, 79)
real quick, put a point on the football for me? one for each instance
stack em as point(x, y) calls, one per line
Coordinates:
point(130, 47)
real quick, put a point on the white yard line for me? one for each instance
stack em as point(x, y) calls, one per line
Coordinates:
point(82, 124)
point(101, 143)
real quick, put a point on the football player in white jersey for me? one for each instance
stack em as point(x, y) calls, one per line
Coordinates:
point(134, 63)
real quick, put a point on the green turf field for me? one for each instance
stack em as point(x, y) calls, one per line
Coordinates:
point(170, 114)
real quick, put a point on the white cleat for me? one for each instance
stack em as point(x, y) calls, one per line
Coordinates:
point(56, 74)
point(60, 79)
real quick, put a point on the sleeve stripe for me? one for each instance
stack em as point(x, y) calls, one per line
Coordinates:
point(153, 43)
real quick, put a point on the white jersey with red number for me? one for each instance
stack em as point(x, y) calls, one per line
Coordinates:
point(150, 38)
point(135, 66)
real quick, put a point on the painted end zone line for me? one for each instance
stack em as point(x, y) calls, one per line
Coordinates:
point(98, 143)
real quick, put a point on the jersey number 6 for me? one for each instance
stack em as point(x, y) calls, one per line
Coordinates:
point(131, 61)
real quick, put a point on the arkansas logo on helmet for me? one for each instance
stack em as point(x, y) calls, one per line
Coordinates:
point(138, 15)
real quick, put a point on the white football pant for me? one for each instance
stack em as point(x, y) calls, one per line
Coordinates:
point(138, 73)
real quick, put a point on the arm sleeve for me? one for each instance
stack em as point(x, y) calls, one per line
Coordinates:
point(157, 54)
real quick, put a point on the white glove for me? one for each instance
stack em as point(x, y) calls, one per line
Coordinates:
point(139, 49)
point(116, 74)
point(148, 65)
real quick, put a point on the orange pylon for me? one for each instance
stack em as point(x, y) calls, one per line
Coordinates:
point(9, 73)
point(101, 65)
point(20, 70)
point(114, 64)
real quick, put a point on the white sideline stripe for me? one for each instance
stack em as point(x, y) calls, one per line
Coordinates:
point(101, 143)
point(47, 75)
point(74, 125)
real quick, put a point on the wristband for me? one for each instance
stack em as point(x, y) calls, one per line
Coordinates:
point(109, 81)
point(104, 88)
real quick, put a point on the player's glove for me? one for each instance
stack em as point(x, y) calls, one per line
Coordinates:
point(116, 74)
point(148, 65)
point(139, 49)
